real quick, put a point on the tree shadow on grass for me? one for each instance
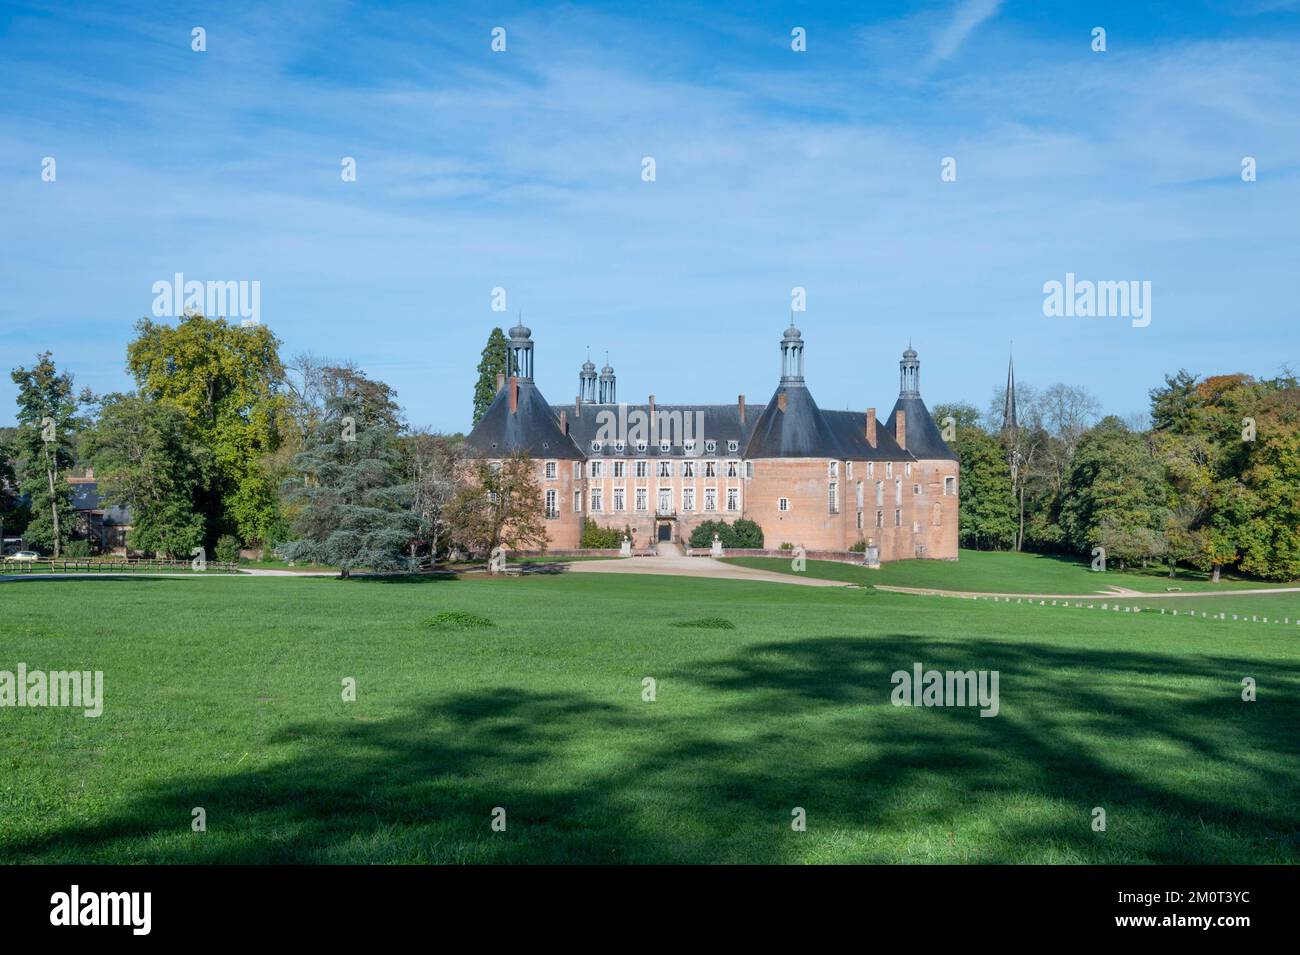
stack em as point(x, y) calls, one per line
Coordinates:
point(711, 771)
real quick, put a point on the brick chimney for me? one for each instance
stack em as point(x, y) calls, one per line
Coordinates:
point(871, 427)
point(740, 401)
point(577, 407)
point(501, 381)
point(780, 402)
point(900, 429)
point(654, 433)
point(564, 421)
point(514, 394)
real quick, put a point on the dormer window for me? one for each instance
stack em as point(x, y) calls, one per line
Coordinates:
point(665, 447)
point(710, 447)
point(733, 446)
point(688, 447)
point(640, 447)
point(595, 446)
point(619, 447)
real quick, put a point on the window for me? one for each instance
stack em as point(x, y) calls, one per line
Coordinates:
point(880, 494)
point(688, 499)
point(833, 469)
point(688, 447)
point(871, 469)
point(596, 504)
point(749, 469)
point(880, 518)
point(833, 497)
point(907, 469)
point(916, 489)
point(665, 469)
point(710, 498)
point(898, 492)
point(577, 470)
point(733, 469)
point(552, 470)
point(848, 469)
point(641, 498)
point(710, 447)
point(596, 469)
point(577, 502)
point(889, 469)
point(733, 446)
point(595, 446)
point(859, 520)
point(640, 447)
point(688, 469)
point(552, 503)
point(665, 447)
point(620, 469)
point(665, 500)
point(642, 469)
point(733, 499)
point(898, 518)
point(618, 498)
point(859, 495)
point(619, 447)
point(949, 486)
point(710, 469)
point(783, 504)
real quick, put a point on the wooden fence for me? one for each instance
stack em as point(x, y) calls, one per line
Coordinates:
point(108, 565)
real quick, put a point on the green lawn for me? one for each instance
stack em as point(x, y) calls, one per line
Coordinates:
point(1004, 572)
point(224, 693)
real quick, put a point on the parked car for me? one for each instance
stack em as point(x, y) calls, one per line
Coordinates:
point(24, 555)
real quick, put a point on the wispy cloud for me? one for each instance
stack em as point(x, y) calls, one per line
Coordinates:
point(775, 169)
point(966, 16)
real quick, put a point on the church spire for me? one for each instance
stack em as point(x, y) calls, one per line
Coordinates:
point(1009, 422)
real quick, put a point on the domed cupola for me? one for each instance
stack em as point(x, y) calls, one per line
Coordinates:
point(587, 382)
point(607, 383)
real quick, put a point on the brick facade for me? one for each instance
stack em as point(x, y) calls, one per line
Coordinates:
point(836, 478)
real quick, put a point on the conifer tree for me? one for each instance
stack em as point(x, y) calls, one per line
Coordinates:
point(492, 362)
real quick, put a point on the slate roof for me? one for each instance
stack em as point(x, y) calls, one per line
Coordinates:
point(923, 437)
point(86, 497)
point(802, 430)
point(850, 429)
point(533, 427)
point(703, 423)
point(799, 431)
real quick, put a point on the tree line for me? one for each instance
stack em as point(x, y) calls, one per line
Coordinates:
point(1210, 480)
point(223, 446)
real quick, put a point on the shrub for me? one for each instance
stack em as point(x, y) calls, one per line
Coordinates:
point(748, 534)
point(859, 548)
point(786, 545)
point(706, 623)
point(76, 549)
point(228, 548)
point(597, 537)
point(458, 620)
point(743, 533)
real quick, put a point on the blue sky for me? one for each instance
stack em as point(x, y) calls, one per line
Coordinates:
point(775, 169)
